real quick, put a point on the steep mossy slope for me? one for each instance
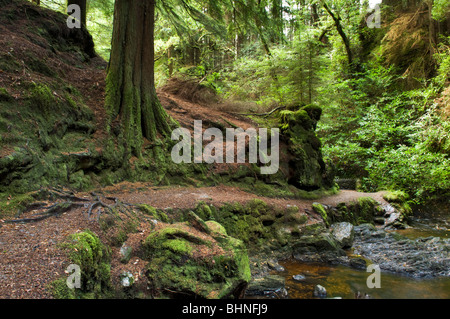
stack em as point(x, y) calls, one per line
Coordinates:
point(53, 123)
point(46, 128)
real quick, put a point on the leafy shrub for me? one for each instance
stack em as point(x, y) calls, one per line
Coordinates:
point(388, 138)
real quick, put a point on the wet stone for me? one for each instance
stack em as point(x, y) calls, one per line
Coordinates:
point(299, 277)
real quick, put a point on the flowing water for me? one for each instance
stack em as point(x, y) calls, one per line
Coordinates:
point(347, 283)
point(429, 222)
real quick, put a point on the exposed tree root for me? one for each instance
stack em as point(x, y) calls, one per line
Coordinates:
point(262, 114)
point(94, 206)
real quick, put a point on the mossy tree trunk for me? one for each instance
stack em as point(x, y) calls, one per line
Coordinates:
point(130, 85)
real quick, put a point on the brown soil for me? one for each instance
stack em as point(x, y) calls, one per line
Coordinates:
point(30, 256)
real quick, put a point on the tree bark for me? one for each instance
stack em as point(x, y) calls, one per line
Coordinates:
point(277, 16)
point(314, 13)
point(130, 85)
point(83, 8)
point(340, 30)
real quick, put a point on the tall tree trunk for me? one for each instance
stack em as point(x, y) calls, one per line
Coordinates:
point(83, 8)
point(310, 69)
point(277, 16)
point(340, 30)
point(314, 13)
point(432, 27)
point(260, 31)
point(130, 84)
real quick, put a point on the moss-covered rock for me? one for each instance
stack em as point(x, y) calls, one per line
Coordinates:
point(243, 222)
point(395, 196)
point(305, 165)
point(257, 223)
point(153, 212)
point(256, 207)
point(363, 210)
point(186, 263)
point(321, 247)
point(197, 222)
point(322, 211)
point(399, 200)
point(216, 228)
point(204, 211)
point(87, 251)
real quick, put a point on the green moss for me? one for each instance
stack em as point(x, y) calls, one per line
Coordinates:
point(42, 98)
point(147, 209)
point(60, 290)
point(9, 64)
point(396, 196)
point(399, 200)
point(38, 65)
point(45, 128)
point(314, 229)
point(196, 222)
point(288, 119)
point(175, 271)
point(11, 204)
point(259, 187)
point(4, 95)
point(314, 112)
point(204, 211)
point(256, 207)
point(357, 212)
point(303, 149)
point(157, 239)
point(292, 209)
point(178, 246)
point(321, 242)
point(258, 224)
point(406, 210)
point(366, 210)
point(296, 218)
point(320, 209)
point(87, 251)
point(155, 213)
point(245, 222)
point(80, 181)
point(216, 228)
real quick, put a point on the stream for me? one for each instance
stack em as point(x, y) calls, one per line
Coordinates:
point(345, 282)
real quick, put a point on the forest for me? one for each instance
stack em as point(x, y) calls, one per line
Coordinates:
point(241, 149)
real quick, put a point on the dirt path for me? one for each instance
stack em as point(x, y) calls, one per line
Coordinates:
point(186, 197)
point(30, 257)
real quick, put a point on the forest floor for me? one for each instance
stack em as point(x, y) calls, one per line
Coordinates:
point(31, 256)
point(30, 253)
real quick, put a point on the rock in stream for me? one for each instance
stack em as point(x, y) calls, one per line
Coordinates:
point(422, 257)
